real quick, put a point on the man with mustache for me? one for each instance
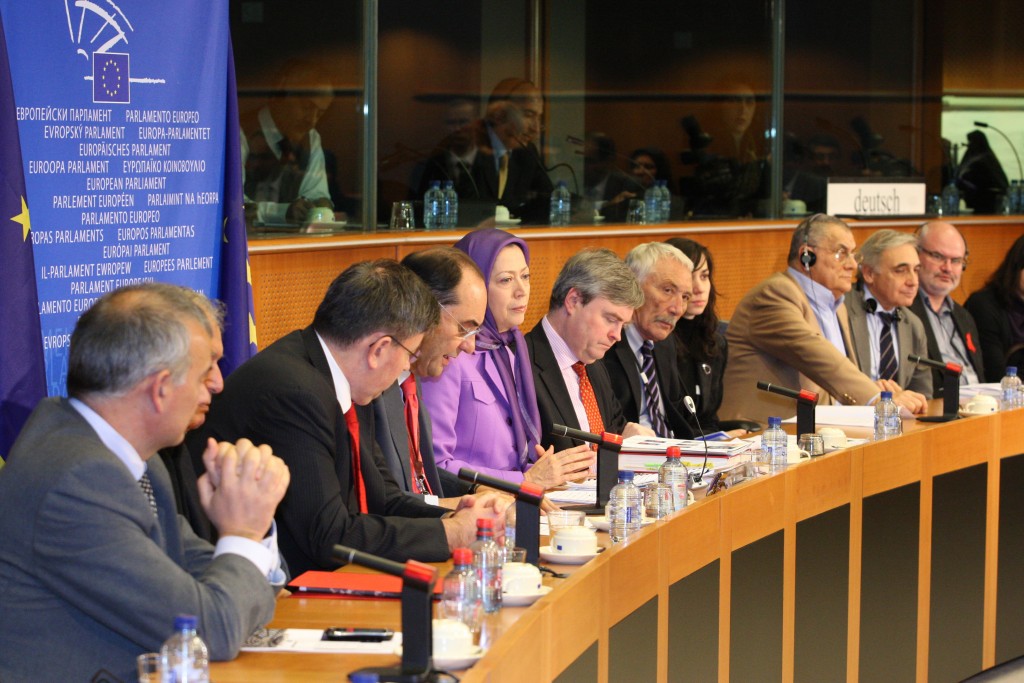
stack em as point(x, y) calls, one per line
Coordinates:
point(642, 365)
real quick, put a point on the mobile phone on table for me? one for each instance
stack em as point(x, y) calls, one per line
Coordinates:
point(358, 635)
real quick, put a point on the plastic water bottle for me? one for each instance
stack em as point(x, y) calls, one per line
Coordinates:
point(674, 473)
point(451, 205)
point(666, 202)
point(561, 205)
point(487, 559)
point(1013, 193)
point(1010, 389)
point(433, 207)
point(888, 423)
point(461, 598)
point(624, 509)
point(183, 656)
point(950, 200)
point(652, 204)
point(775, 445)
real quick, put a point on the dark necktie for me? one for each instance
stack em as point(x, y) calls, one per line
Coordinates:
point(502, 174)
point(352, 420)
point(412, 426)
point(589, 399)
point(887, 365)
point(652, 392)
point(147, 487)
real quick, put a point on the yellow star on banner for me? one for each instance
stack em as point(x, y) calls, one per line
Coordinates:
point(23, 219)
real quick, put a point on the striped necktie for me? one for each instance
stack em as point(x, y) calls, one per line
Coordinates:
point(652, 392)
point(887, 365)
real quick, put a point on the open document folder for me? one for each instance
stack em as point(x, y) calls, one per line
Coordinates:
point(848, 416)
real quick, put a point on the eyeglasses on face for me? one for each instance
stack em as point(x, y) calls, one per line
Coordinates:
point(939, 258)
point(466, 333)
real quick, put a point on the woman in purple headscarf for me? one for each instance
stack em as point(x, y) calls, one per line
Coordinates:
point(484, 406)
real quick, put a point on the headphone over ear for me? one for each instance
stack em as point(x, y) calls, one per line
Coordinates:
point(807, 257)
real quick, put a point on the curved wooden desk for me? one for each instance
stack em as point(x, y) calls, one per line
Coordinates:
point(894, 561)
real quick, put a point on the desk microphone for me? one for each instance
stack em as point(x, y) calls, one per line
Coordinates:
point(688, 402)
point(525, 142)
point(578, 434)
point(981, 124)
point(938, 364)
point(802, 395)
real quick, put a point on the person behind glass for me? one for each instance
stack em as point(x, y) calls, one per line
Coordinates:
point(405, 431)
point(593, 297)
point(792, 329)
point(701, 347)
point(284, 174)
point(606, 187)
point(484, 406)
point(731, 175)
point(642, 365)
point(810, 183)
point(951, 331)
point(511, 171)
point(883, 329)
point(308, 395)
point(94, 556)
point(455, 156)
point(998, 310)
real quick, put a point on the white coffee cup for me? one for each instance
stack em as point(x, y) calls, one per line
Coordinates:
point(451, 638)
point(982, 404)
point(575, 540)
point(320, 214)
point(520, 578)
point(834, 437)
point(501, 214)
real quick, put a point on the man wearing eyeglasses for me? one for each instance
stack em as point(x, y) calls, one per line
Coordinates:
point(308, 395)
point(952, 333)
point(404, 429)
point(793, 330)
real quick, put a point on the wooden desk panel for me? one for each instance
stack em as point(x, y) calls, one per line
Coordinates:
point(859, 490)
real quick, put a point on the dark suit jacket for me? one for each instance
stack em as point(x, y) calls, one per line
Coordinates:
point(993, 330)
point(624, 373)
point(186, 492)
point(528, 187)
point(284, 397)
point(553, 398)
point(965, 329)
point(393, 439)
point(703, 381)
point(84, 563)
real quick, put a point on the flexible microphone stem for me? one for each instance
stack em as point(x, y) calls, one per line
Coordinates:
point(688, 402)
point(1020, 169)
point(939, 365)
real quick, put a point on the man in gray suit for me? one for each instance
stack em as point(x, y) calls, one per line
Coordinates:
point(883, 328)
point(457, 284)
point(93, 556)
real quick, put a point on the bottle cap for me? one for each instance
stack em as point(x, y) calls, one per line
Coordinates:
point(774, 422)
point(626, 475)
point(886, 395)
point(1011, 369)
point(673, 452)
point(183, 621)
point(462, 555)
point(485, 523)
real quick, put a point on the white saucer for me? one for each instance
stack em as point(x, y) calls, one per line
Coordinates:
point(453, 662)
point(508, 600)
point(507, 223)
point(600, 522)
point(549, 555)
point(967, 413)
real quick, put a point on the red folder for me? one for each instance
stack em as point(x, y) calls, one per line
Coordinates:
point(352, 584)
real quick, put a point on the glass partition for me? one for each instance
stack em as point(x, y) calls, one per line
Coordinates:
point(505, 99)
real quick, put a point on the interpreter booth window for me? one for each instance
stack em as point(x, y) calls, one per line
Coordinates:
point(608, 102)
point(300, 78)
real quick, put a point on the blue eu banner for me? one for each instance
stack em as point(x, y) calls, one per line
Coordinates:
point(128, 149)
point(22, 377)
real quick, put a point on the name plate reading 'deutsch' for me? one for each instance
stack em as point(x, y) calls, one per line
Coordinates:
point(876, 198)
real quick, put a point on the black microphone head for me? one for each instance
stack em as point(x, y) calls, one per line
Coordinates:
point(980, 124)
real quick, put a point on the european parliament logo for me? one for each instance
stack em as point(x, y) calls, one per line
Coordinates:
point(110, 82)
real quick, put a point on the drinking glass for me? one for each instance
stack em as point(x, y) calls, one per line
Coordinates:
point(812, 444)
point(635, 212)
point(402, 216)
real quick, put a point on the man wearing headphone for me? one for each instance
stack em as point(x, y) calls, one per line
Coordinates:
point(792, 329)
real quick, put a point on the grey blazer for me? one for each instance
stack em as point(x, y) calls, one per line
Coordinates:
point(910, 336)
point(89, 579)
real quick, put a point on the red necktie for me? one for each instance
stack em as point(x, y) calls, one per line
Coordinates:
point(589, 399)
point(412, 424)
point(352, 420)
